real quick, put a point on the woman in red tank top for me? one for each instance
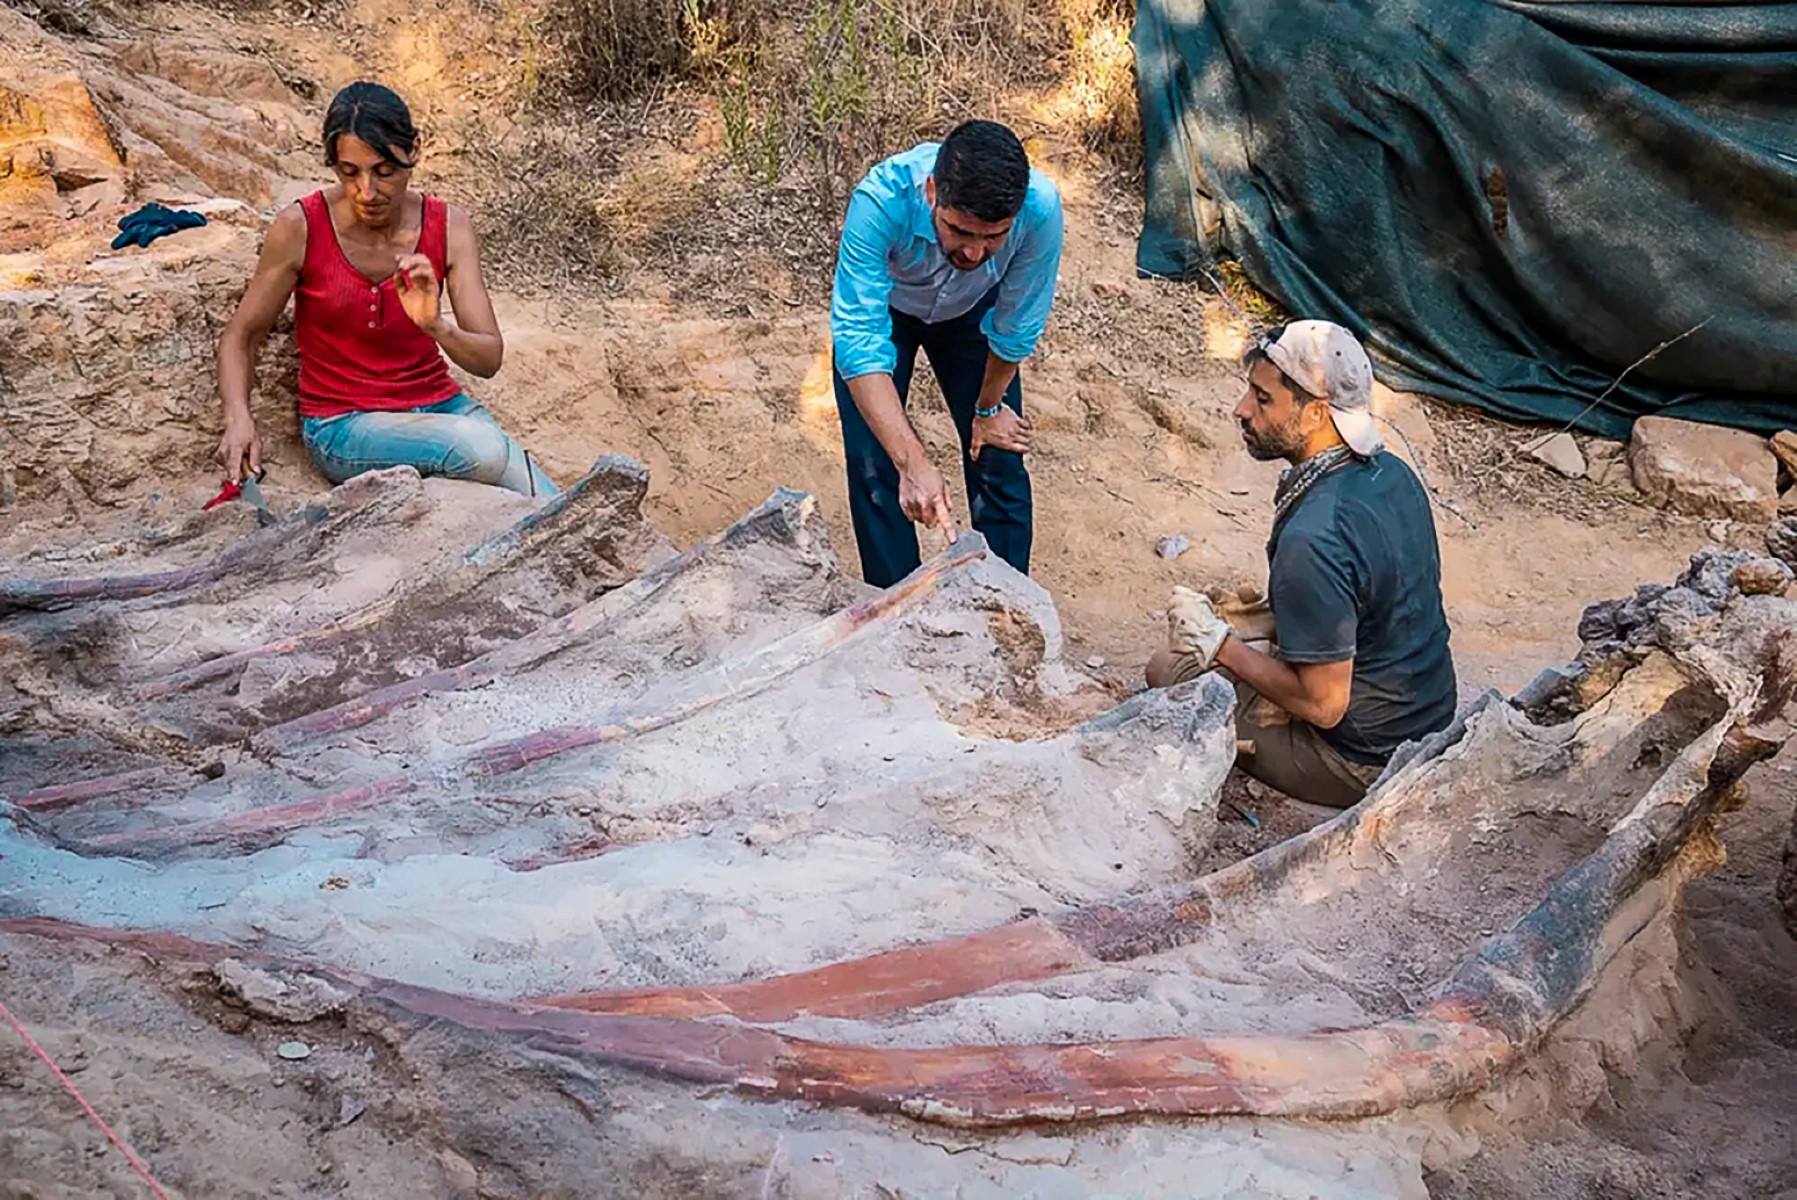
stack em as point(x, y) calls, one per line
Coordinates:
point(366, 263)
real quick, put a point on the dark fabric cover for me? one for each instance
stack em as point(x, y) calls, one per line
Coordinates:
point(1509, 202)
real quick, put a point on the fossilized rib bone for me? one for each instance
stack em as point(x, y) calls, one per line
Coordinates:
point(729, 681)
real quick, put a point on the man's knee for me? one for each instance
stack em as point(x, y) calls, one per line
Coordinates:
point(1169, 667)
point(475, 450)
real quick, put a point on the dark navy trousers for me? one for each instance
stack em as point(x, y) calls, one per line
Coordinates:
point(998, 485)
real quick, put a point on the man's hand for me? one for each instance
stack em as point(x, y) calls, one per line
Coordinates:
point(1195, 627)
point(416, 281)
point(240, 450)
point(1247, 612)
point(923, 496)
point(1007, 431)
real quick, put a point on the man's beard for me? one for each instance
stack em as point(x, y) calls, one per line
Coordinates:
point(1282, 442)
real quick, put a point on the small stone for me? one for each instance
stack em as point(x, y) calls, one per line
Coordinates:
point(1718, 531)
point(281, 993)
point(1561, 453)
point(293, 1051)
point(233, 1020)
point(348, 1109)
point(1761, 577)
point(1704, 470)
point(1095, 662)
point(1172, 546)
point(1110, 289)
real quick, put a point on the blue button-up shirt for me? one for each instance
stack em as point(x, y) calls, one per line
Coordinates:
point(889, 259)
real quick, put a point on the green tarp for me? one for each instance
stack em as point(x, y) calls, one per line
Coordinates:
point(1509, 202)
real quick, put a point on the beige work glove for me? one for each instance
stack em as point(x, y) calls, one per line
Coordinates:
point(1246, 610)
point(1195, 627)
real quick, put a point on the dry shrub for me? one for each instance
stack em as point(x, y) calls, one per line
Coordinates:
point(1097, 96)
point(808, 94)
point(834, 85)
point(616, 49)
point(538, 196)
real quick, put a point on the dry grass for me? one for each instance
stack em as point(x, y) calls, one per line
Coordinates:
point(831, 86)
point(617, 49)
point(817, 90)
point(1095, 96)
point(538, 199)
point(797, 99)
point(1486, 459)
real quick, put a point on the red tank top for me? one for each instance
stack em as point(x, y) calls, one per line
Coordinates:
point(358, 351)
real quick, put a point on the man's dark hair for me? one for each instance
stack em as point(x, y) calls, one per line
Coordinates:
point(375, 114)
point(1258, 353)
point(982, 170)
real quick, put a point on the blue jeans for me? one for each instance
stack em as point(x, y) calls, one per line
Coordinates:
point(456, 438)
point(998, 485)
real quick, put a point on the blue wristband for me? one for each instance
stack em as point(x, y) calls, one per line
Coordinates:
point(988, 413)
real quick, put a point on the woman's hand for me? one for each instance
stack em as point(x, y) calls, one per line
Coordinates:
point(416, 282)
point(240, 450)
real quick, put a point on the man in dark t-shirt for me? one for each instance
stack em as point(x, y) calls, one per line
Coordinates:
point(1360, 660)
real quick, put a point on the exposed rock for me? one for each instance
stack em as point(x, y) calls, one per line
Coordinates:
point(54, 144)
point(107, 375)
point(1710, 572)
point(1762, 577)
point(1665, 617)
point(1561, 453)
point(79, 133)
point(1787, 880)
point(1784, 448)
point(282, 994)
point(1704, 470)
point(1781, 540)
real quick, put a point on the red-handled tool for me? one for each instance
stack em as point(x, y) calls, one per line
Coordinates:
point(249, 489)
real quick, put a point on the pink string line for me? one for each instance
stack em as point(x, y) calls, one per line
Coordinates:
point(82, 1101)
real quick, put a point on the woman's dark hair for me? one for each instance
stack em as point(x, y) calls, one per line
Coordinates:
point(981, 169)
point(375, 114)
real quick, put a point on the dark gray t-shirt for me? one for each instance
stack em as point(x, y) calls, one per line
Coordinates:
point(1356, 573)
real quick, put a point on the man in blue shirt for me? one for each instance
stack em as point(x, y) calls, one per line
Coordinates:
point(952, 249)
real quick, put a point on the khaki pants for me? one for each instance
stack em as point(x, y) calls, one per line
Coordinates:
point(1289, 755)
